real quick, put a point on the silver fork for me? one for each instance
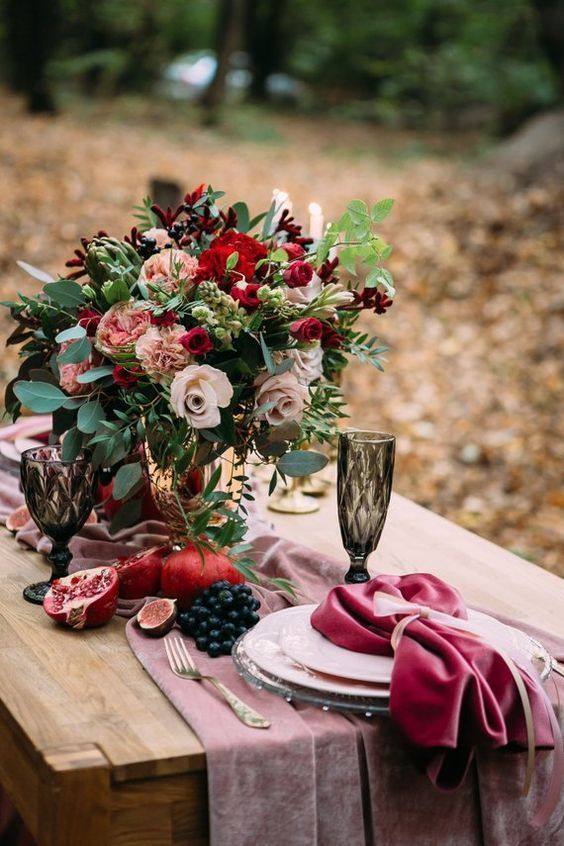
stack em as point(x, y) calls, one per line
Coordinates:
point(182, 665)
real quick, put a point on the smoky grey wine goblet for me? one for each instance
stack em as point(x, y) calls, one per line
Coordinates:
point(59, 495)
point(365, 468)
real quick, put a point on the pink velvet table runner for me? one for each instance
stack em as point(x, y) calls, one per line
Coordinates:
point(317, 777)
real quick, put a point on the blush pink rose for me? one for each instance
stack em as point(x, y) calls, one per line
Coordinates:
point(119, 329)
point(160, 352)
point(287, 394)
point(68, 373)
point(169, 269)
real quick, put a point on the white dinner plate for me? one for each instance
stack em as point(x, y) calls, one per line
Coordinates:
point(262, 645)
point(300, 641)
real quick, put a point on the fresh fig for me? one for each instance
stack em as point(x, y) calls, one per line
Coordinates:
point(140, 574)
point(157, 617)
point(189, 571)
point(17, 519)
point(84, 599)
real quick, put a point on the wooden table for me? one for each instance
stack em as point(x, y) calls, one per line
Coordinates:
point(92, 753)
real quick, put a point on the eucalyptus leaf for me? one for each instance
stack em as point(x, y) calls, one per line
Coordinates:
point(267, 225)
point(242, 212)
point(72, 334)
point(72, 444)
point(41, 397)
point(76, 353)
point(126, 479)
point(267, 356)
point(90, 415)
point(301, 462)
point(94, 374)
point(65, 292)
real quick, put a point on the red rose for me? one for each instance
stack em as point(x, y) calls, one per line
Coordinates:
point(89, 319)
point(123, 377)
point(197, 341)
point(246, 295)
point(167, 318)
point(298, 274)
point(293, 251)
point(330, 339)
point(307, 329)
point(213, 260)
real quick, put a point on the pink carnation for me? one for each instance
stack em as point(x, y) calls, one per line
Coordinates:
point(160, 352)
point(119, 329)
point(68, 373)
point(169, 269)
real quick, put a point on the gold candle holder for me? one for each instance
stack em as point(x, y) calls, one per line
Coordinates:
point(292, 500)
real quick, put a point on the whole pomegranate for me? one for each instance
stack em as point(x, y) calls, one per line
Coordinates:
point(85, 599)
point(185, 575)
point(140, 575)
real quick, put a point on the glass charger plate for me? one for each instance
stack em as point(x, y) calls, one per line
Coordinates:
point(290, 691)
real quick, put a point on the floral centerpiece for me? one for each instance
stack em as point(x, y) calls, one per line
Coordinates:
point(200, 339)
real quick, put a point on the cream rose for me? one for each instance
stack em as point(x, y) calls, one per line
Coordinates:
point(308, 364)
point(288, 396)
point(198, 392)
point(305, 294)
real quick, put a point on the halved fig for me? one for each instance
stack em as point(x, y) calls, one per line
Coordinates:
point(157, 618)
point(17, 519)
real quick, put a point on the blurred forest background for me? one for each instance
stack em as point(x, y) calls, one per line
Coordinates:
point(453, 107)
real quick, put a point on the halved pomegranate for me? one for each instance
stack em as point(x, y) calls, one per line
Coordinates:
point(86, 599)
point(140, 575)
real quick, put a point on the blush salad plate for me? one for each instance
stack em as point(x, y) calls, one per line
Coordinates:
point(262, 644)
point(305, 645)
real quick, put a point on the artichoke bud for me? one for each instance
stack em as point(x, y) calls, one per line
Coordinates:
point(105, 258)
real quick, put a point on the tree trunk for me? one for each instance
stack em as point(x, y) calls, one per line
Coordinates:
point(31, 30)
point(550, 15)
point(229, 27)
point(265, 41)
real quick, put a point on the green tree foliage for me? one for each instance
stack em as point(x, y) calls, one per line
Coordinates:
point(437, 63)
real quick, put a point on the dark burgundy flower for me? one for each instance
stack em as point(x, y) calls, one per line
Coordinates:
point(212, 264)
point(167, 318)
point(293, 251)
point(197, 341)
point(331, 339)
point(89, 320)
point(307, 329)
point(124, 377)
point(246, 295)
point(326, 271)
point(298, 274)
point(372, 298)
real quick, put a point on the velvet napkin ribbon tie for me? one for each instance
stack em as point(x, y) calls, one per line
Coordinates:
point(386, 605)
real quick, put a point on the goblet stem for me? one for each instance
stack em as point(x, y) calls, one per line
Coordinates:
point(358, 571)
point(59, 558)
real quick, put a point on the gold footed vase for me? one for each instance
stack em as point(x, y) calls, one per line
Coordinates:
point(292, 500)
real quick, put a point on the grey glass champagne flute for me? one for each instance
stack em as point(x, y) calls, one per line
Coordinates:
point(365, 468)
point(59, 495)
